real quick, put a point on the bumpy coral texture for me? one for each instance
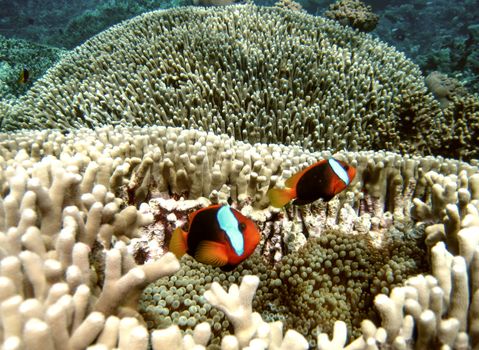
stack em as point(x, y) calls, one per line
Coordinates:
point(290, 5)
point(85, 215)
point(258, 74)
point(444, 88)
point(75, 256)
point(459, 126)
point(332, 277)
point(354, 13)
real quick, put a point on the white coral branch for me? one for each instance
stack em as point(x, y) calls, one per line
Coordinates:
point(237, 305)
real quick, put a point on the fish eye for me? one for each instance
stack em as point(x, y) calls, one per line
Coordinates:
point(242, 226)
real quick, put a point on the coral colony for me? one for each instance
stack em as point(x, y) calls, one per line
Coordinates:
point(174, 111)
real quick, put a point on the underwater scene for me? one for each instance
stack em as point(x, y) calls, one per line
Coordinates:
point(221, 174)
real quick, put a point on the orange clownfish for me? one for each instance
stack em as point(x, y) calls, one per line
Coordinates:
point(218, 235)
point(323, 179)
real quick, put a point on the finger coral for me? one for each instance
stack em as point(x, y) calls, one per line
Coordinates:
point(320, 85)
point(70, 237)
point(177, 110)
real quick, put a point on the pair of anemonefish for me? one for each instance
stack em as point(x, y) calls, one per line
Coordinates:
point(221, 236)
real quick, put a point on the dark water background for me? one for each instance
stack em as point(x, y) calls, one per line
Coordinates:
point(437, 34)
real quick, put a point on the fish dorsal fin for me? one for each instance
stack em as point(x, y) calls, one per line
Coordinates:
point(211, 253)
point(229, 224)
point(178, 242)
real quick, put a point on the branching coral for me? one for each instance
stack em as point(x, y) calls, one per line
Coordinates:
point(460, 128)
point(239, 70)
point(353, 13)
point(51, 297)
point(85, 214)
point(67, 224)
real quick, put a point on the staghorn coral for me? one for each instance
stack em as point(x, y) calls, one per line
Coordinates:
point(292, 79)
point(353, 13)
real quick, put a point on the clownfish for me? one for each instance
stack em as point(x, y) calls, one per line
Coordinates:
point(323, 179)
point(218, 235)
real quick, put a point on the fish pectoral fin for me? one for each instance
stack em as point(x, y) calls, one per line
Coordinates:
point(211, 253)
point(178, 242)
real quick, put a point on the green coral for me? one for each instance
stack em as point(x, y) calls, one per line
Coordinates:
point(258, 74)
point(15, 54)
point(106, 14)
point(333, 277)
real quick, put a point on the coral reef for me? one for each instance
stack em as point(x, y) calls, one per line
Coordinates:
point(290, 5)
point(354, 13)
point(332, 277)
point(444, 89)
point(320, 85)
point(102, 16)
point(356, 94)
point(37, 21)
point(18, 54)
point(51, 296)
point(213, 2)
point(68, 24)
point(459, 125)
point(86, 211)
point(66, 222)
point(437, 35)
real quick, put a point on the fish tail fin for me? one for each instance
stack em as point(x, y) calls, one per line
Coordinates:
point(178, 242)
point(279, 197)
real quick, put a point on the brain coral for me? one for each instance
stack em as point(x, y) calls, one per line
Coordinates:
point(258, 74)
